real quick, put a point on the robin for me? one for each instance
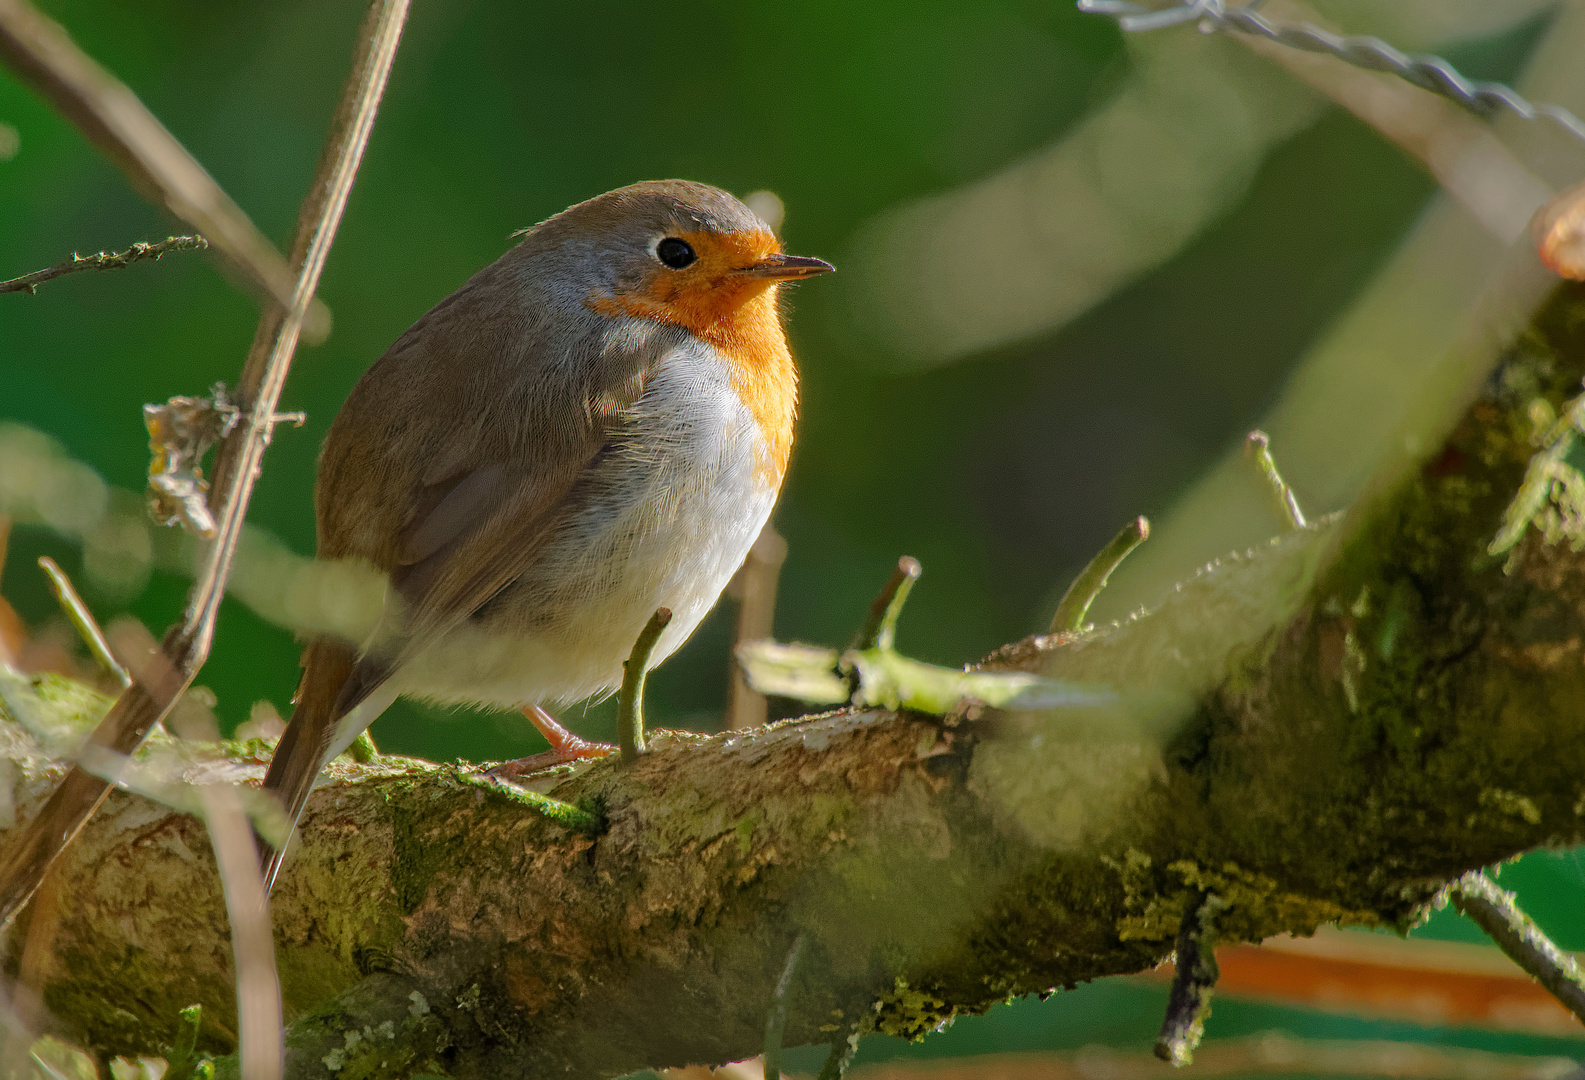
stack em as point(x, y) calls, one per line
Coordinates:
point(593, 427)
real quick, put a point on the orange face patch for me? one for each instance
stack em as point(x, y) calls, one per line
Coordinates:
point(737, 315)
point(707, 292)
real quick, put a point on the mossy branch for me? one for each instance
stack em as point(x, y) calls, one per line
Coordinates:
point(1331, 728)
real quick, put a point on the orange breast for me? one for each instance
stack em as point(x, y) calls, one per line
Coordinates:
point(761, 369)
point(737, 315)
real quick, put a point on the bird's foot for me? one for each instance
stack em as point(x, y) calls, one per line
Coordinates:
point(564, 746)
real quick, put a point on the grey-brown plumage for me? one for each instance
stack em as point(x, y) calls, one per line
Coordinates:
point(559, 447)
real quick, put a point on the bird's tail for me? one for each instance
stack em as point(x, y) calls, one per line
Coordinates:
point(306, 744)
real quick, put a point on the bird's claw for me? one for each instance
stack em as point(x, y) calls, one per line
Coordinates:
point(564, 746)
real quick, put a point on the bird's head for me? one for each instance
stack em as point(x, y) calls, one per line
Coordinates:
point(675, 251)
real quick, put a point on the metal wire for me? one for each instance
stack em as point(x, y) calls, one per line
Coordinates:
point(1485, 99)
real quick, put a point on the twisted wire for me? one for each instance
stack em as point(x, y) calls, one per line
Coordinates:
point(1484, 99)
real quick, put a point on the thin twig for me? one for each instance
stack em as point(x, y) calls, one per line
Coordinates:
point(757, 580)
point(110, 115)
point(1075, 603)
point(776, 1020)
point(82, 620)
point(880, 627)
point(1258, 446)
point(630, 699)
point(259, 1030)
point(264, 374)
point(1463, 984)
point(363, 750)
point(1494, 910)
point(145, 703)
point(1190, 1000)
point(1484, 99)
point(181, 1054)
point(840, 1057)
point(104, 260)
point(259, 1027)
point(1461, 153)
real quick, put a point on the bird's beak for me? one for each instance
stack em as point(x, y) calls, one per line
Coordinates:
point(787, 268)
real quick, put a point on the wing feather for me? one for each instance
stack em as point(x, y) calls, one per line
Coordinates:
point(455, 456)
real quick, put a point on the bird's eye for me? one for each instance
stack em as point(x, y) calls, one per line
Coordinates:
point(675, 253)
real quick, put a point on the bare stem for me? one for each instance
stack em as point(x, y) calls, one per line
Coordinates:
point(1494, 910)
point(237, 465)
point(259, 1029)
point(1258, 446)
point(630, 701)
point(776, 1021)
point(363, 749)
point(756, 615)
point(1075, 603)
point(258, 990)
point(840, 1057)
point(880, 628)
point(40, 53)
point(104, 260)
point(82, 620)
point(1190, 1000)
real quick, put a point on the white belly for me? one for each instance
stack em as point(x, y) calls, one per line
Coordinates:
point(670, 517)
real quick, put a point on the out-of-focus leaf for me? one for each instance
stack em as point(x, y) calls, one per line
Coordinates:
point(143, 1068)
point(163, 785)
point(57, 1060)
point(802, 672)
point(888, 679)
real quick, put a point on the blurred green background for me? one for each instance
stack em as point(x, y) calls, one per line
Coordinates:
point(1003, 470)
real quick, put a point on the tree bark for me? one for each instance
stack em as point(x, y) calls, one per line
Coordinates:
point(1325, 729)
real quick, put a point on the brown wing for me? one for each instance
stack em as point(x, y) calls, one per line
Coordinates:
point(447, 468)
point(454, 456)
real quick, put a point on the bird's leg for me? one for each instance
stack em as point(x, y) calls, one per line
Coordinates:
point(564, 744)
point(564, 747)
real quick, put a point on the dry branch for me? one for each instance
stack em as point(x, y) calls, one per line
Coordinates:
point(241, 454)
point(1328, 729)
point(110, 115)
point(755, 589)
